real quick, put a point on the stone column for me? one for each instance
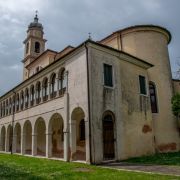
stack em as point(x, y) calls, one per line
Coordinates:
point(66, 127)
point(66, 145)
point(48, 144)
point(86, 120)
point(23, 137)
point(34, 144)
point(73, 138)
point(0, 143)
point(6, 142)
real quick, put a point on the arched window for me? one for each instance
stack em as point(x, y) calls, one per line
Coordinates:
point(38, 92)
point(32, 95)
point(82, 130)
point(22, 100)
point(37, 47)
point(27, 47)
point(4, 109)
point(45, 89)
point(62, 82)
point(10, 105)
point(153, 97)
point(7, 107)
point(53, 85)
point(13, 104)
point(17, 102)
point(1, 110)
point(26, 98)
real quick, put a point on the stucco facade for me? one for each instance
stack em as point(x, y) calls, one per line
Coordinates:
point(93, 102)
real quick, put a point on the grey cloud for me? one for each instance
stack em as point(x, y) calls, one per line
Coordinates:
point(69, 22)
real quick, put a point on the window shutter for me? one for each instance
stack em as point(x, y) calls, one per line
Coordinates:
point(108, 81)
point(142, 83)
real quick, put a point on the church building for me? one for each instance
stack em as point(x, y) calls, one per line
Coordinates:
point(101, 101)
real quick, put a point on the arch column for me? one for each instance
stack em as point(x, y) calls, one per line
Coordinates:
point(6, 144)
point(66, 145)
point(23, 137)
point(48, 144)
point(86, 120)
point(34, 144)
point(73, 137)
point(66, 127)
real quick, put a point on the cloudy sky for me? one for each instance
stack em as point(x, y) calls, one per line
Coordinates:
point(69, 22)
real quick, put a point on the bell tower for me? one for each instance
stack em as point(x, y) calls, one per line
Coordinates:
point(34, 44)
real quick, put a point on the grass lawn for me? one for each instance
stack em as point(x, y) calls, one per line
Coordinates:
point(158, 159)
point(19, 167)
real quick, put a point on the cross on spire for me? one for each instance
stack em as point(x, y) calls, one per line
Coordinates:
point(89, 35)
point(36, 16)
point(36, 13)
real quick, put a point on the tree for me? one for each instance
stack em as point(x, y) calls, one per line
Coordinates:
point(176, 106)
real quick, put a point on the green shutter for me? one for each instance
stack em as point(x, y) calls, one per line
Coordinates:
point(108, 80)
point(142, 83)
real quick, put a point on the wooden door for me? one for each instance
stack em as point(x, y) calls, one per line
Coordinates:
point(108, 138)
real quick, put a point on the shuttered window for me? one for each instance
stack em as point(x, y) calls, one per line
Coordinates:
point(108, 75)
point(153, 98)
point(142, 84)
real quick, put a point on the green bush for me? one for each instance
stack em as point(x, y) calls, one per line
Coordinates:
point(176, 104)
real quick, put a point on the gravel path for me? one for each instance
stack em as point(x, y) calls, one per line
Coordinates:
point(160, 169)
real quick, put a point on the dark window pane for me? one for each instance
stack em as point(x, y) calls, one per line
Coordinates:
point(82, 130)
point(142, 83)
point(152, 91)
point(108, 81)
point(37, 47)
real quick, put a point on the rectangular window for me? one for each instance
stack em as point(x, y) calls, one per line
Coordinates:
point(108, 75)
point(142, 83)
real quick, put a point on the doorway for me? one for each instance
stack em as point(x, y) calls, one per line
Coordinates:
point(108, 138)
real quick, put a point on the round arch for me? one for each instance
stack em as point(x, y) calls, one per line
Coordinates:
point(3, 138)
point(53, 87)
point(55, 128)
point(17, 139)
point(78, 134)
point(62, 81)
point(108, 126)
point(9, 138)
point(109, 112)
point(27, 132)
point(40, 132)
point(45, 92)
point(38, 92)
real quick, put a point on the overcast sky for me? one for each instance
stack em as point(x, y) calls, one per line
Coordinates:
point(68, 22)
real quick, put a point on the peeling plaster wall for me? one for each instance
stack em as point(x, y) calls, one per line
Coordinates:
point(124, 101)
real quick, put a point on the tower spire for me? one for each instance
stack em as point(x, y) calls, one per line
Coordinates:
point(34, 43)
point(36, 17)
point(35, 23)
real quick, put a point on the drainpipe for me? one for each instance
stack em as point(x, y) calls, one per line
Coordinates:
point(88, 89)
point(67, 116)
point(12, 129)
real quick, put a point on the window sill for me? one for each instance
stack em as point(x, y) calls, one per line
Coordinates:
point(145, 95)
point(109, 87)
